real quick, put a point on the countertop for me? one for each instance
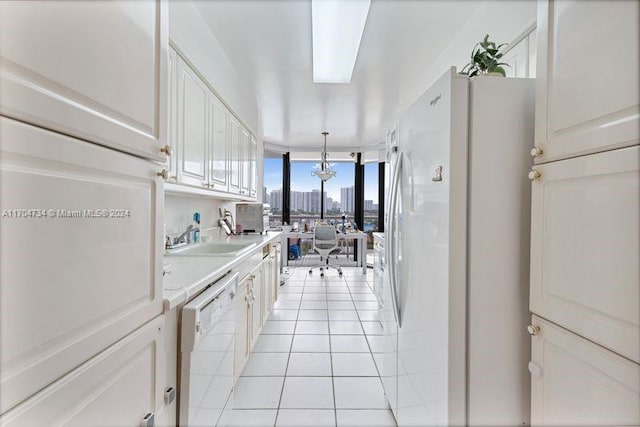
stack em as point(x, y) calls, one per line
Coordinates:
point(187, 276)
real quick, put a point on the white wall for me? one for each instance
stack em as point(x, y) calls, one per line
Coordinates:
point(192, 36)
point(503, 20)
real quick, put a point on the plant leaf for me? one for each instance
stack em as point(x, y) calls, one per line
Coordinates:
point(499, 70)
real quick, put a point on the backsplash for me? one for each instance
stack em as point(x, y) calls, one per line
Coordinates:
point(178, 212)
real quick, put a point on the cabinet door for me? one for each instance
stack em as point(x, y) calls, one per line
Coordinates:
point(585, 247)
point(257, 301)
point(575, 382)
point(81, 248)
point(267, 287)
point(243, 321)
point(118, 387)
point(253, 167)
point(92, 70)
point(192, 121)
point(234, 151)
point(579, 109)
point(218, 125)
point(276, 268)
point(245, 164)
point(173, 116)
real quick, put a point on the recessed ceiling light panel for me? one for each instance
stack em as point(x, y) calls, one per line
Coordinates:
point(337, 31)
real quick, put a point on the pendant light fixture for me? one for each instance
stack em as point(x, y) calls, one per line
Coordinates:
point(323, 170)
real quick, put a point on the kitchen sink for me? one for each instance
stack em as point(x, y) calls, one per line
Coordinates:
point(213, 249)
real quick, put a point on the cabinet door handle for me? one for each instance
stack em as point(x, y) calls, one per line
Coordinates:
point(166, 150)
point(534, 175)
point(164, 174)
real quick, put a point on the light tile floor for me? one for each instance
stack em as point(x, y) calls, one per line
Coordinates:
point(314, 363)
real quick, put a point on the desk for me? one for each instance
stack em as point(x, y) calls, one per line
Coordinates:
point(359, 236)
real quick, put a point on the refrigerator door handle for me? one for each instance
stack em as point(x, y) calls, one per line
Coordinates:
point(393, 241)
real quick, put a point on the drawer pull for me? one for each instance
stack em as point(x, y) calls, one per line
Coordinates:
point(536, 152)
point(164, 174)
point(534, 174)
point(166, 150)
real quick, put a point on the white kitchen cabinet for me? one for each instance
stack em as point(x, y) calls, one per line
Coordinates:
point(218, 144)
point(172, 139)
point(581, 109)
point(244, 305)
point(192, 121)
point(585, 247)
point(92, 70)
point(576, 382)
point(234, 155)
point(253, 167)
point(257, 292)
point(118, 387)
point(92, 269)
point(267, 282)
point(276, 281)
point(245, 162)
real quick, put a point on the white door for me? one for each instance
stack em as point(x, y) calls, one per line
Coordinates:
point(581, 109)
point(192, 96)
point(93, 70)
point(81, 248)
point(234, 155)
point(575, 382)
point(245, 163)
point(218, 140)
point(118, 387)
point(585, 247)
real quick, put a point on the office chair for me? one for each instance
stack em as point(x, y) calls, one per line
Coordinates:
point(325, 241)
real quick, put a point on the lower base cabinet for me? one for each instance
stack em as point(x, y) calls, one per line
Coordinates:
point(243, 320)
point(118, 387)
point(576, 382)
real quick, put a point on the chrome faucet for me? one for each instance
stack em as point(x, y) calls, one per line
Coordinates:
point(183, 239)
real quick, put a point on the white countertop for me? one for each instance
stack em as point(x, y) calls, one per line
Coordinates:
point(189, 275)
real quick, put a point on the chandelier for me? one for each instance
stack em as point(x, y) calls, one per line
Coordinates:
point(323, 170)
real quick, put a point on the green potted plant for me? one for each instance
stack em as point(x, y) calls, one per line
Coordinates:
point(485, 57)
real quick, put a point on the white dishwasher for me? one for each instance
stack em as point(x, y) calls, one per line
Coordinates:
point(206, 352)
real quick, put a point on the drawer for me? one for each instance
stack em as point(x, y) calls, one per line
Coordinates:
point(73, 284)
point(585, 247)
point(578, 383)
point(118, 387)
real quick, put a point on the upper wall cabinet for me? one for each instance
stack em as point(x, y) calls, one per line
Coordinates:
point(218, 143)
point(192, 120)
point(234, 155)
point(211, 150)
point(245, 163)
point(588, 94)
point(108, 85)
point(253, 164)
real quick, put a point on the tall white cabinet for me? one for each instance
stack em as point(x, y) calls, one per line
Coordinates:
point(585, 234)
point(83, 132)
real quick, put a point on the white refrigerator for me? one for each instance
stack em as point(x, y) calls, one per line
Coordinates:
point(455, 307)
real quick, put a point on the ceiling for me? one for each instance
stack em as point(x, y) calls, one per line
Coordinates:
point(269, 44)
